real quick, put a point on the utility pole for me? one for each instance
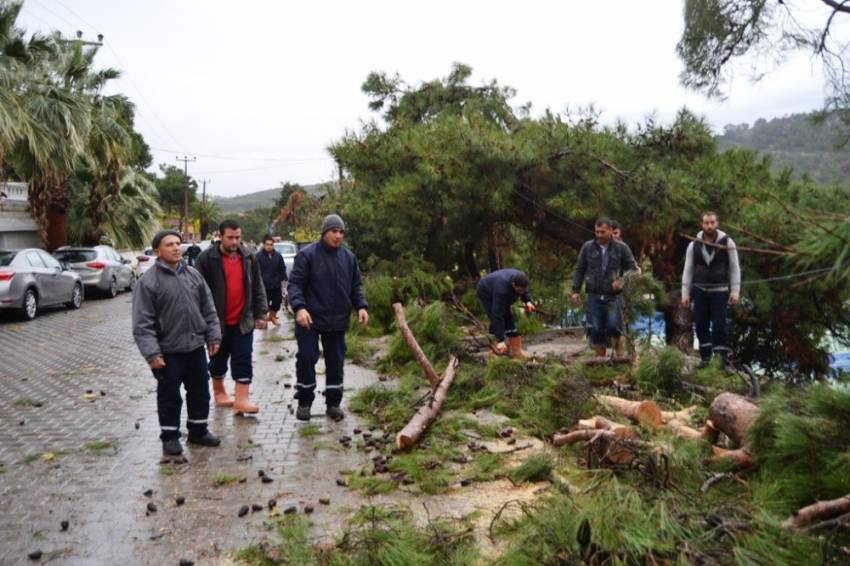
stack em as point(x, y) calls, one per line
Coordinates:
point(98, 43)
point(184, 217)
point(203, 208)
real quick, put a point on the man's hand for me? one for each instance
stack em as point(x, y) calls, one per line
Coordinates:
point(529, 306)
point(157, 363)
point(685, 302)
point(576, 298)
point(213, 348)
point(303, 318)
point(501, 348)
point(261, 324)
point(363, 317)
point(617, 284)
point(733, 299)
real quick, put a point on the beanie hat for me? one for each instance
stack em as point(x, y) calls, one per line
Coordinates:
point(332, 221)
point(157, 239)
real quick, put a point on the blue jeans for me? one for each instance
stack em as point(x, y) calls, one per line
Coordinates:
point(710, 319)
point(333, 346)
point(604, 312)
point(238, 348)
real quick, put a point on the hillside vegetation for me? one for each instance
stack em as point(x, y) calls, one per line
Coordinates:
point(796, 142)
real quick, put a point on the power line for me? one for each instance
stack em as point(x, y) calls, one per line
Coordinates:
point(251, 169)
point(237, 158)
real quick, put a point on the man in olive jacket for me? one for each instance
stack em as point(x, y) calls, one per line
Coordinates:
point(173, 318)
point(234, 278)
point(324, 287)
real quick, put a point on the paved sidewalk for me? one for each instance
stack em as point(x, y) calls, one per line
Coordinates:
point(51, 471)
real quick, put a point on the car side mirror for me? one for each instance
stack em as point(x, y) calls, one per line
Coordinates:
point(125, 261)
point(64, 266)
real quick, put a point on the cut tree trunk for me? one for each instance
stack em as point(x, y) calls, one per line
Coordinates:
point(741, 458)
point(645, 413)
point(820, 511)
point(427, 413)
point(581, 435)
point(601, 423)
point(423, 362)
point(732, 415)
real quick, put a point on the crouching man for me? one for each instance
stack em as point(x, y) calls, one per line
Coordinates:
point(173, 319)
point(497, 292)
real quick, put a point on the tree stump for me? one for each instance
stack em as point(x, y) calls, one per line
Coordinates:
point(732, 415)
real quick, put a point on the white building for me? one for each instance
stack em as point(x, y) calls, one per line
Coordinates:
point(17, 227)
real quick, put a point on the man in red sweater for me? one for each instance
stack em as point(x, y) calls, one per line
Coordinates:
point(234, 277)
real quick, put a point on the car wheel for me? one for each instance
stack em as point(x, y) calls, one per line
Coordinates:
point(30, 305)
point(113, 288)
point(76, 298)
point(133, 279)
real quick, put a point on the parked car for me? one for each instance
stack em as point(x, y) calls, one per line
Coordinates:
point(100, 267)
point(145, 261)
point(288, 250)
point(31, 279)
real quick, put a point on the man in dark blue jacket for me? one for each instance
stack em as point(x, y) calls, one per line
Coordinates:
point(497, 292)
point(324, 287)
point(273, 269)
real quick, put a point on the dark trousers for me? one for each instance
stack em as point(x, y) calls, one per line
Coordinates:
point(507, 317)
point(333, 346)
point(275, 296)
point(605, 321)
point(190, 369)
point(238, 348)
point(710, 319)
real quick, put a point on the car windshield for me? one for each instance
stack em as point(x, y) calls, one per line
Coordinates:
point(288, 249)
point(75, 256)
point(6, 258)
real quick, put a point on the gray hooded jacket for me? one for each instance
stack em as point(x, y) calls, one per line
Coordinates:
point(173, 311)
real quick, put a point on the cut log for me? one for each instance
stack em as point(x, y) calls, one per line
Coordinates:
point(732, 415)
point(684, 430)
point(645, 413)
point(820, 511)
point(683, 415)
point(582, 435)
point(423, 362)
point(741, 458)
point(427, 413)
point(601, 423)
point(608, 449)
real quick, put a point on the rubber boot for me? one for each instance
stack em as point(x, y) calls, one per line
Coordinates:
point(242, 405)
point(222, 399)
point(600, 351)
point(515, 347)
point(620, 347)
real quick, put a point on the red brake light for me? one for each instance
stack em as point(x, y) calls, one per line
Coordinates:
point(96, 264)
point(143, 258)
point(6, 275)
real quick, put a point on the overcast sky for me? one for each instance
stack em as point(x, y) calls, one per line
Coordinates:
point(258, 89)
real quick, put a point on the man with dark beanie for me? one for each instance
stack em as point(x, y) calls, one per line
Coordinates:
point(497, 291)
point(234, 278)
point(324, 287)
point(173, 318)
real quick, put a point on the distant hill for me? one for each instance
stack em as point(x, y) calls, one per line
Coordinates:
point(794, 141)
point(260, 199)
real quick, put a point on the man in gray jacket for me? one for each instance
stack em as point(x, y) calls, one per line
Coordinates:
point(601, 263)
point(173, 318)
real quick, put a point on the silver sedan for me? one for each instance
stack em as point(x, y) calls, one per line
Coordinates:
point(100, 267)
point(31, 279)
